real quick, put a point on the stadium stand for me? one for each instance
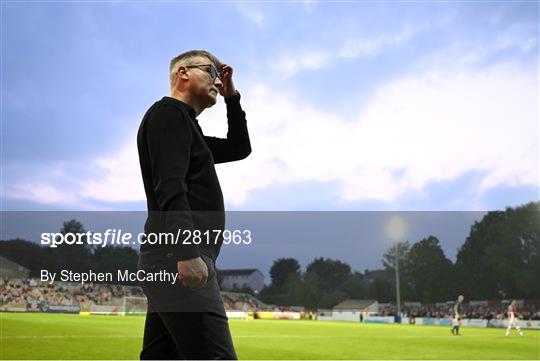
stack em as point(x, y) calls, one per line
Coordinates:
point(32, 294)
point(242, 302)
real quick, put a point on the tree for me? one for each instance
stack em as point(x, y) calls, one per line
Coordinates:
point(280, 272)
point(355, 286)
point(501, 256)
point(330, 273)
point(294, 288)
point(312, 291)
point(389, 257)
point(382, 288)
point(429, 272)
point(528, 219)
point(26, 254)
point(111, 259)
point(332, 298)
point(74, 257)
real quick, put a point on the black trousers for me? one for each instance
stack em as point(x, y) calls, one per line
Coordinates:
point(187, 336)
point(182, 323)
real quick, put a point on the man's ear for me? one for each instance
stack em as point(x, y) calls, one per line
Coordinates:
point(182, 72)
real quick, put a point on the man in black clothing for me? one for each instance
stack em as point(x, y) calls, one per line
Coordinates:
point(187, 319)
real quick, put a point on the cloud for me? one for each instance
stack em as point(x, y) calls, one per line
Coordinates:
point(309, 6)
point(108, 178)
point(42, 193)
point(369, 47)
point(432, 126)
point(517, 40)
point(428, 127)
point(121, 179)
point(290, 63)
point(252, 13)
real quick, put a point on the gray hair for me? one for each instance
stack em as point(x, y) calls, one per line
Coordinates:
point(187, 59)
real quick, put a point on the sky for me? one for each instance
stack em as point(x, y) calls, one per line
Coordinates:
point(357, 238)
point(351, 106)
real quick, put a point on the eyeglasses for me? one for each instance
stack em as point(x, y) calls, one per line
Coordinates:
point(209, 68)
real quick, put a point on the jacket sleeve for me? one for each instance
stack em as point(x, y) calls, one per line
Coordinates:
point(237, 145)
point(169, 141)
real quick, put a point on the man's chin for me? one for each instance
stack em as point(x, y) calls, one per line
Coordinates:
point(211, 101)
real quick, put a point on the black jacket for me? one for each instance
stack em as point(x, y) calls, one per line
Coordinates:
point(177, 163)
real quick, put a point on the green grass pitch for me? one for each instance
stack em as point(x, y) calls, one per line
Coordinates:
point(55, 336)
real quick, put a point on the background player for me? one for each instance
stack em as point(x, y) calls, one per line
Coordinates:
point(458, 308)
point(513, 318)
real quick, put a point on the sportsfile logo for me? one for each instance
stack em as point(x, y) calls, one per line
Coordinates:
point(118, 237)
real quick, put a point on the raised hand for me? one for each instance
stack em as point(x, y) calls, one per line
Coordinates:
point(225, 75)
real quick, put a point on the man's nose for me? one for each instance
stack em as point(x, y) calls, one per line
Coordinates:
point(217, 82)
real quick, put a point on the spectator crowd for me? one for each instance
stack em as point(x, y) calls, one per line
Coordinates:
point(32, 293)
point(487, 310)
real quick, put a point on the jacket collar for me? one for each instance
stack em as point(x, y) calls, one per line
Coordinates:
point(181, 105)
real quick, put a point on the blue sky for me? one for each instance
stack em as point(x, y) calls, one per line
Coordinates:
point(77, 78)
point(368, 106)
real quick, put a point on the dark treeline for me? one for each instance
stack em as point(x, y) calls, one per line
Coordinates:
point(74, 257)
point(499, 259)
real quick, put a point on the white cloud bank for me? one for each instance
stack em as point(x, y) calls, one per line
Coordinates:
point(434, 126)
point(293, 62)
point(418, 129)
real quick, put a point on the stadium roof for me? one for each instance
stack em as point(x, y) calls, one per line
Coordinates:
point(239, 272)
point(10, 269)
point(354, 304)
